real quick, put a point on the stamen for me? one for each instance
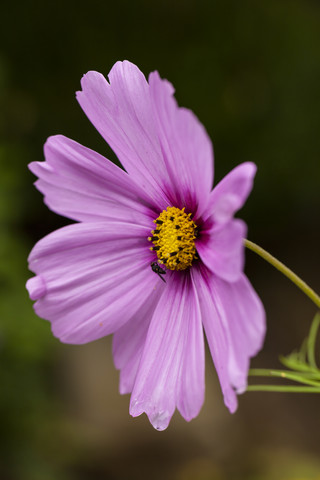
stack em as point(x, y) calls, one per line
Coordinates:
point(176, 252)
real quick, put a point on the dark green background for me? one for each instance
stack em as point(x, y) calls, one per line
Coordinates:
point(251, 72)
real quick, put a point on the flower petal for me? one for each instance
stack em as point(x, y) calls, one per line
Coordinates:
point(82, 185)
point(186, 148)
point(221, 249)
point(234, 321)
point(231, 193)
point(163, 375)
point(129, 340)
point(95, 277)
point(243, 317)
point(121, 111)
point(216, 333)
point(163, 147)
point(36, 287)
point(192, 382)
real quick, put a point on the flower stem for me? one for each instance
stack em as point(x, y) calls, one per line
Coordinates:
point(282, 388)
point(311, 342)
point(285, 270)
point(265, 372)
point(296, 377)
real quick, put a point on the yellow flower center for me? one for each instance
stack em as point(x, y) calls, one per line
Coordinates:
point(173, 239)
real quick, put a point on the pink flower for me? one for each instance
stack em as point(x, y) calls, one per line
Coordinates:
point(158, 220)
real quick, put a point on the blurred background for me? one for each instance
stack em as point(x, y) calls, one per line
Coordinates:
point(251, 72)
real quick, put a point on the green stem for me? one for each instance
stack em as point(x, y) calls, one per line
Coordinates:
point(282, 388)
point(285, 270)
point(265, 372)
point(295, 365)
point(312, 341)
point(284, 374)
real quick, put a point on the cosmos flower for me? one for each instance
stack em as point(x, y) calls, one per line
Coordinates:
point(157, 257)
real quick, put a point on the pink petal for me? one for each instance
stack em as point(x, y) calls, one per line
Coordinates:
point(81, 184)
point(186, 147)
point(121, 111)
point(231, 193)
point(36, 287)
point(243, 317)
point(234, 321)
point(221, 249)
point(192, 384)
point(216, 333)
point(96, 277)
point(163, 375)
point(163, 147)
point(129, 340)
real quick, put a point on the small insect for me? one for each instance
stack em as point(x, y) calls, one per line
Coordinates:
point(157, 269)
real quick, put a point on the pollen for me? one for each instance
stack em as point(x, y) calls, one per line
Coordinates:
point(174, 238)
